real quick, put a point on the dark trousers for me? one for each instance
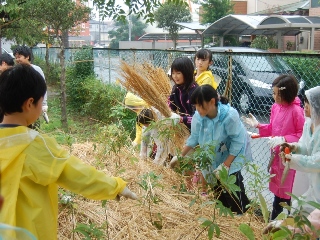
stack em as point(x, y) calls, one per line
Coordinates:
point(238, 205)
point(276, 208)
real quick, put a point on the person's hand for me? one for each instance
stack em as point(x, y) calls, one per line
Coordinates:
point(44, 108)
point(128, 194)
point(292, 146)
point(272, 227)
point(219, 169)
point(174, 161)
point(275, 141)
point(251, 120)
point(175, 117)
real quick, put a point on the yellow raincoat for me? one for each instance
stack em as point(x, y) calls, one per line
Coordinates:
point(32, 167)
point(206, 77)
point(137, 104)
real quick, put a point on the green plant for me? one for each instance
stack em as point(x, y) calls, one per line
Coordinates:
point(90, 231)
point(83, 63)
point(289, 45)
point(264, 42)
point(148, 182)
point(52, 74)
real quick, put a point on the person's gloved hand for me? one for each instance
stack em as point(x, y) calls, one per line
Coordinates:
point(174, 161)
point(219, 168)
point(292, 146)
point(44, 108)
point(251, 120)
point(175, 117)
point(275, 141)
point(272, 227)
point(128, 194)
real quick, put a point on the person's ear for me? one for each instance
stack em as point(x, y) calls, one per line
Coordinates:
point(213, 101)
point(210, 63)
point(28, 103)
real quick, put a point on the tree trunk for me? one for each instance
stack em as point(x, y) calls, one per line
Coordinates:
point(47, 62)
point(63, 99)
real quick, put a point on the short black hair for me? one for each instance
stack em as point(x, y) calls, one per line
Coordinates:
point(205, 93)
point(145, 116)
point(288, 87)
point(24, 51)
point(185, 66)
point(17, 84)
point(5, 57)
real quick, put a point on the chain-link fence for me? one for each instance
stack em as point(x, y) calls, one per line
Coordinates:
point(248, 75)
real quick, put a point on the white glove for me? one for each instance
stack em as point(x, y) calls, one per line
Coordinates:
point(175, 117)
point(134, 144)
point(272, 226)
point(173, 162)
point(44, 108)
point(275, 141)
point(251, 120)
point(219, 168)
point(128, 194)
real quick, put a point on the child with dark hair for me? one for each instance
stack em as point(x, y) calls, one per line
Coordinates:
point(286, 124)
point(217, 124)
point(203, 60)
point(33, 165)
point(23, 55)
point(6, 62)
point(182, 73)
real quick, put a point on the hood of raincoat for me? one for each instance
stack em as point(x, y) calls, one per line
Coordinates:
point(134, 102)
point(313, 96)
point(13, 141)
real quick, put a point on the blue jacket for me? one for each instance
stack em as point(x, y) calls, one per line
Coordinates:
point(227, 132)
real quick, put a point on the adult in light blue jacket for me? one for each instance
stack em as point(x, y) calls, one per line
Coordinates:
point(217, 124)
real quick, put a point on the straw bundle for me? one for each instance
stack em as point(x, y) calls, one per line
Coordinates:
point(130, 219)
point(151, 84)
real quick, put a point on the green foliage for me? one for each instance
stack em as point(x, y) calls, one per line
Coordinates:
point(307, 69)
point(171, 12)
point(143, 9)
point(121, 31)
point(264, 42)
point(215, 9)
point(148, 182)
point(247, 231)
point(83, 63)
point(53, 75)
point(90, 231)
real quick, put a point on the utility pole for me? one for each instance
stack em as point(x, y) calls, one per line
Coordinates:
point(130, 26)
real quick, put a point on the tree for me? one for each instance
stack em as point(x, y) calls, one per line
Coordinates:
point(171, 12)
point(121, 31)
point(142, 9)
point(213, 10)
point(59, 16)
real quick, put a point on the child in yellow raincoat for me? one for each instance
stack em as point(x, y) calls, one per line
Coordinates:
point(33, 165)
point(136, 104)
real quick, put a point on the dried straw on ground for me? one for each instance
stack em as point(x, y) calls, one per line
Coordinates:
point(151, 84)
point(128, 219)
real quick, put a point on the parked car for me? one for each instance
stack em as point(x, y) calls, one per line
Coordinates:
point(252, 76)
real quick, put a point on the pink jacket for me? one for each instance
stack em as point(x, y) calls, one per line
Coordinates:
point(286, 120)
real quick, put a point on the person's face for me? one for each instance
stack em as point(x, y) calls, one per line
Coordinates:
point(206, 109)
point(36, 110)
point(276, 95)
point(22, 59)
point(202, 64)
point(3, 67)
point(307, 110)
point(177, 77)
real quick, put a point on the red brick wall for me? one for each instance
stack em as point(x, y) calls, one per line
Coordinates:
point(316, 12)
point(239, 7)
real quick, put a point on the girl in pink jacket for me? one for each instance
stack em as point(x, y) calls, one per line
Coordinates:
point(286, 125)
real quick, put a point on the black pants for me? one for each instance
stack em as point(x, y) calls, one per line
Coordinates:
point(238, 205)
point(276, 208)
